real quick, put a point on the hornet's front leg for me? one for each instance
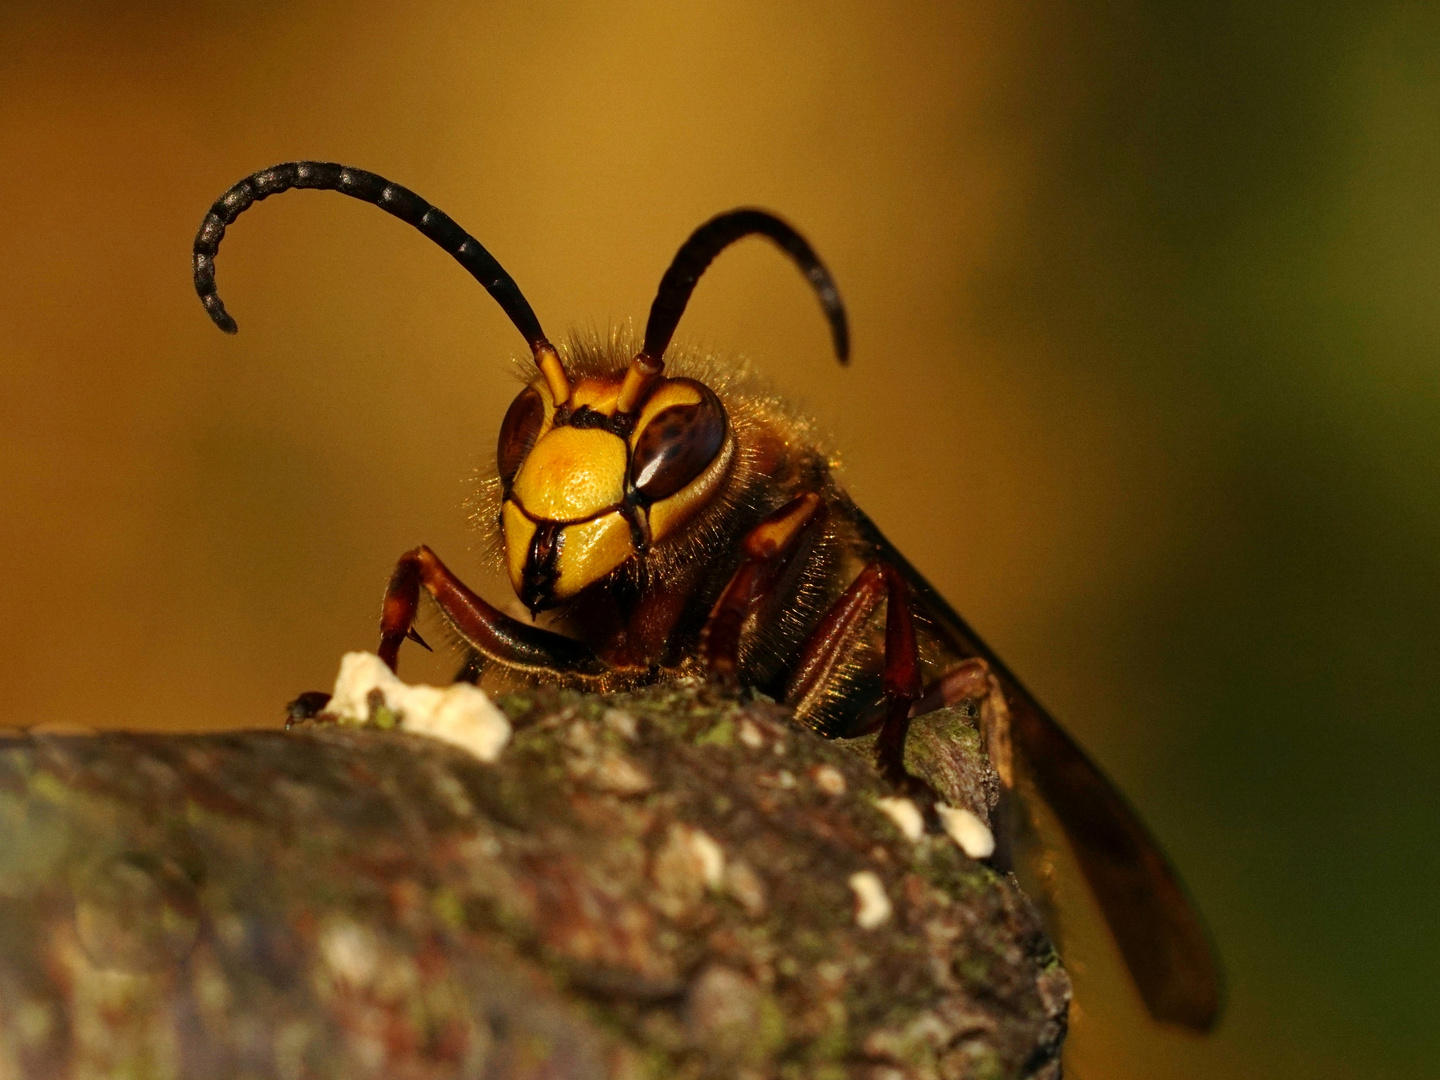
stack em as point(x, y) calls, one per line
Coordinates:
point(490, 632)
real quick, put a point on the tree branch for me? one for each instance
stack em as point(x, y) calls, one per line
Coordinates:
point(667, 884)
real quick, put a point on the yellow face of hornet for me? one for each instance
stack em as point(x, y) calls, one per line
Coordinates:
point(587, 486)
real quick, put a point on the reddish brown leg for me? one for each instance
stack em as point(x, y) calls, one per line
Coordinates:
point(834, 636)
point(488, 631)
point(768, 549)
point(972, 680)
point(902, 685)
point(824, 651)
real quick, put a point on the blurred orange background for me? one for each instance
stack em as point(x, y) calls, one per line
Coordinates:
point(1146, 346)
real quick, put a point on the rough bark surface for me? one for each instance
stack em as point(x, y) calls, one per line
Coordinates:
point(654, 885)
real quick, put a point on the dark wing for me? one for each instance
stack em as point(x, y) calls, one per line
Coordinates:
point(1160, 934)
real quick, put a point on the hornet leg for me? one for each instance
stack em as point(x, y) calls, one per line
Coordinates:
point(973, 680)
point(832, 639)
point(769, 548)
point(490, 632)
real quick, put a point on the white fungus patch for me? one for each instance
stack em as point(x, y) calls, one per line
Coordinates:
point(459, 714)
point(750, 735)
point(828, 779)
point(603, 768)
point(745, 885)
point(906, 816)
point(872, 905)
point(784, 780)
point(687, 864)
point(350, 952)
point(580, 738)
point(968, 831)
point(616, 773)
point(621, 722)
point(711, 857)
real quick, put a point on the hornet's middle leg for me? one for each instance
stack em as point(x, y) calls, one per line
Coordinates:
point(833, 638)
point(769, 549)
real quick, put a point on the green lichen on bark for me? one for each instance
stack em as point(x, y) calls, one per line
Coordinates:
point(650, 885)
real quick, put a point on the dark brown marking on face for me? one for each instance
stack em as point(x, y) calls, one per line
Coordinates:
point(639, 521)
point(537, 586)
point(620, 424)
point(676, 446)
point(518, 432)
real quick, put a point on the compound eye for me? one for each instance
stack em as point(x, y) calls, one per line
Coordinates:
point(519, 431)
point(676, 446)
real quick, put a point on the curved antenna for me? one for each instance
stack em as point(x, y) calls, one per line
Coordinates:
point(690, 262)
point(393, 199)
